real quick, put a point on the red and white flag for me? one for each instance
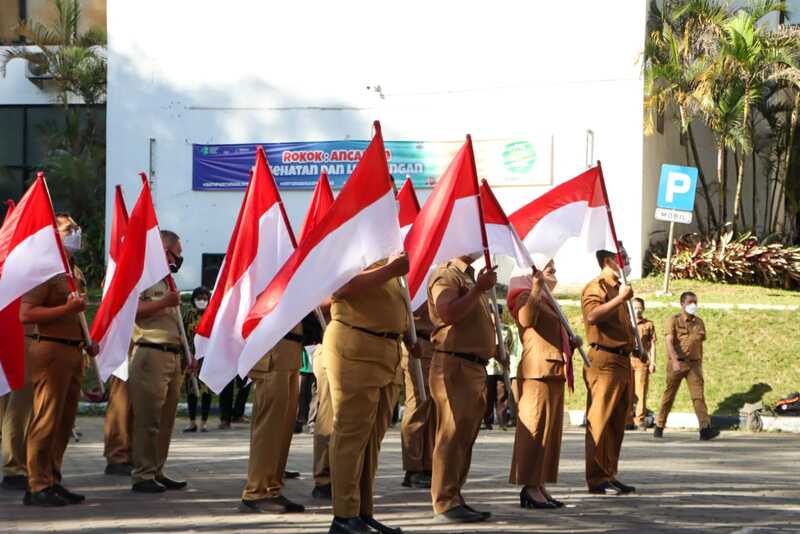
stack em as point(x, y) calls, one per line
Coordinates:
point(321, 202)
point(501, 236)
point(119, 225)
point(359, 229)
point(30, 254)
point(575, 208)
point(141, 264)
point(448, 226)
point(408, 206)
point(262, 240)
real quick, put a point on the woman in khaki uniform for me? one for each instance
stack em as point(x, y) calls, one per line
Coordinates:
point(362, 350)
point(56, 359)
point(540, 385)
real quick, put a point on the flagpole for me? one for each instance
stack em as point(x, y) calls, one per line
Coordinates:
point(73, 288)
point(501, 346)
point(620, 263)
point(413, 362)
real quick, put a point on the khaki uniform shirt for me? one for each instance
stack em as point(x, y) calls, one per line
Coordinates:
point(53, 293)
point(614, 331)
point(424, 327)
point(287, 355)
point(379, 309)
point(475, 333)
point(161, 327)
point(689, 332)
point(542, 355)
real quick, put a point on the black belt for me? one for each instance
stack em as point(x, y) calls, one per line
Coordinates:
point(421, 335)
point(78, 343)
point(385, 335)
point(466, 356)
point(619, 352)
point(163, 347)
point(298, 338)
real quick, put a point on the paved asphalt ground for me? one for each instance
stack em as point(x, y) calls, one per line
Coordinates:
point(737, 483)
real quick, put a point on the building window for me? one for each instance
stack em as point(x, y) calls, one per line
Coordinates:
point(210, 265)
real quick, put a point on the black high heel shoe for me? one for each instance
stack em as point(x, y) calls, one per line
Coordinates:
point(526, 501)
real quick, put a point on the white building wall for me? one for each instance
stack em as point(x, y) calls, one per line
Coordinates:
point(289, 71)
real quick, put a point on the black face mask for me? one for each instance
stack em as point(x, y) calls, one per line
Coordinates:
point(175, 266)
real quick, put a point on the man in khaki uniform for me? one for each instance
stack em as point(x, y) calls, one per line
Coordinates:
point(14, 421)
point(56, 370)
point(686, 333)
point(277, 382)
point(117, 429)
point(641, 370)
point(155, 378)
point(464, 340)
point(362, 350)
point(418, 429)
point(610, 335)
point(323, 427)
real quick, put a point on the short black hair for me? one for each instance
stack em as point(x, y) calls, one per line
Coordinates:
point(686, 294)
point(639, 300)
point(201, 291)
point(169, 237)
point(602, 255)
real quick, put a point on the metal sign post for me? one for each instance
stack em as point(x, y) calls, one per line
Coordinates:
point(676, 192)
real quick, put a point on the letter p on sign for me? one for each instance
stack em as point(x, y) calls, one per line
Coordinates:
point(677, 187)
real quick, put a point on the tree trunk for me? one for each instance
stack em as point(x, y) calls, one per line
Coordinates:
point(755, 177)
point(698, 219)
point(737, 201)
point(712, 215)
point(782, 179)
point(721, 179)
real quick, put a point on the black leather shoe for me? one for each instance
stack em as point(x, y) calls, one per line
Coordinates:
point(380, 527)
point(47, 498)
point(171, 484)
point(630, 427)
point(417, 479)
point(606, 488)
point(349, 525)
point(460, 514)
point(148, 486)
point(290, 475)
point(70, 497)
point(123, 470)
point(249, 507)
point(708, 433)
point(486, 515)
point(15, 482)
point(280, 505)
point(658, 433)
point(556, 502)
point(623, 488)
point(526, 501)
point(322, 492)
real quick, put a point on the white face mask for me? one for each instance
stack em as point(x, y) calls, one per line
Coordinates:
point(691, 309)
point(201, 304)
point(72, 242)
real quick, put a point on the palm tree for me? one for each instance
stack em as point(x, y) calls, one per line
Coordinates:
point(751, 54)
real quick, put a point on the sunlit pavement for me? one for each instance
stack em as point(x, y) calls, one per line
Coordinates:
point(737, 483)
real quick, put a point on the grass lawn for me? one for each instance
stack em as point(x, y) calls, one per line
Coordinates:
point(749, 356)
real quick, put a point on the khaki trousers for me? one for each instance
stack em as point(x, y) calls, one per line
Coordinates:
point(639, 383)
point(271, 428)
point(118, 425)
point(537, 444)
point(607, 406)
point(15, 421)
point(154, 386)
point(418, 429)
point(458, 389)
point(693, 373)
point(323, 425)
point(56, 373)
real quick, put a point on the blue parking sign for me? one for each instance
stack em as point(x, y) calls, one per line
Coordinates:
point(677, 188)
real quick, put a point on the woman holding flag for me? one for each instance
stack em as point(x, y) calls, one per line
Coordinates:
point(546, 364)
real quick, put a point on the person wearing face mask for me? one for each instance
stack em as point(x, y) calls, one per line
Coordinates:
point(612, 341)
point(686, 333)
point(545, 366)
point(200, 297)
point(56, 360)
point(155, 377)
point(464, 339)
point(641, 370)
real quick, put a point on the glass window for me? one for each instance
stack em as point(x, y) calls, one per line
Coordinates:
point(11, 142)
